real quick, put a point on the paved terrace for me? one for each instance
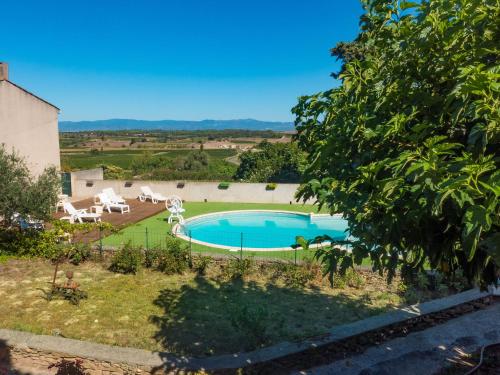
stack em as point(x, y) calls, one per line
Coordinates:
point(138, 211)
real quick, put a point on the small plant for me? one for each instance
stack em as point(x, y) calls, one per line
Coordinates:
point(237, 269)
point(201, 263)
point(271, 186)
point(127, 259)
point(151, 257)
point(252, 322)
point(65, 367)
point(175, 258)
point(458, 281)
point(79, 252)
point(224, 185)
point(297, 276)
point(351, 278)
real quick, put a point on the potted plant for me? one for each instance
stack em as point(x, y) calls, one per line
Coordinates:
point(271, 186)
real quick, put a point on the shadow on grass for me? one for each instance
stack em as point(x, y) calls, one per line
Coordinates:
point(212, 317)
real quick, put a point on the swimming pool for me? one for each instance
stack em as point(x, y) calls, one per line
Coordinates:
point(259, 230)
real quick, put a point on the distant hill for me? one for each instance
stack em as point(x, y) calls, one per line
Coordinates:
point(128, 124)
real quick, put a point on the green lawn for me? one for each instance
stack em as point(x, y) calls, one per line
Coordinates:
point(158, 229)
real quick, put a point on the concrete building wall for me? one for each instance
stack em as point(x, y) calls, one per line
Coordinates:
point(30, 126)
point(192, 191)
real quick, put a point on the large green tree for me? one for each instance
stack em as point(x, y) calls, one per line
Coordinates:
point(407, 147)
point(22, 194)
point(272, 162)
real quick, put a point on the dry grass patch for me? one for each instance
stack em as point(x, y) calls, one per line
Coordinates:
point(184, 314)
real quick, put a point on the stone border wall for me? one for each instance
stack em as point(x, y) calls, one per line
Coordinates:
point(26, 348)
point(35, 361)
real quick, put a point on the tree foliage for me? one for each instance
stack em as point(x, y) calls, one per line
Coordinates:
point(407, 146)
point(272, 162)
point(20, 193)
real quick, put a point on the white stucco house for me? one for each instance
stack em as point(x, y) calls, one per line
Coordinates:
point(28, 125)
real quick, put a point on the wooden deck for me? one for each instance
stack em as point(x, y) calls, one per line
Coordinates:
point(138, 211)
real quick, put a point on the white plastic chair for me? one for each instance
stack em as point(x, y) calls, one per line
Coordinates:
point(108, 204)
point(174, 206)
point(113, 197)
point(80, 215)
point(147, 193)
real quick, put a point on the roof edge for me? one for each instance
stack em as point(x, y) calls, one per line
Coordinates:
point(30, 93)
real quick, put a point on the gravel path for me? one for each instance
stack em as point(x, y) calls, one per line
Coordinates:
point(424, 352)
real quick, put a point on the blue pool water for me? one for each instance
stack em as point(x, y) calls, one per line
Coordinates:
point(261, 229)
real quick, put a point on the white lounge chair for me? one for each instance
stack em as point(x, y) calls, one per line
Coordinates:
point(61, 199)
point(113, 197)
point(174, 206)
point(109, 205)
point(80, 215)
point(147, 193)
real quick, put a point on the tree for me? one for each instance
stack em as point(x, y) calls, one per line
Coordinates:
point(270, 162)
point(21, 194)
point(407, 148)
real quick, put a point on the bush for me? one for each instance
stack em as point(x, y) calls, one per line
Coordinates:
point(252, 322)
point(65, 367)
point(127, 259)
point(295, 276)
point(175, 258)
point(151, 257)
point(78, 253)
point(351, 278)
point(201, 263)
point(237, 268)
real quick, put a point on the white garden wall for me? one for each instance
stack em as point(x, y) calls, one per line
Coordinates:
point(193, 191)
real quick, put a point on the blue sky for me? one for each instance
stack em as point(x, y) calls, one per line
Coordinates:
point(174, 59)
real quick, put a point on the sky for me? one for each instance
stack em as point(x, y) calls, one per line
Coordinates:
point(174, 59)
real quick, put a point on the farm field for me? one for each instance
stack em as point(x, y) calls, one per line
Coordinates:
point(80, 159)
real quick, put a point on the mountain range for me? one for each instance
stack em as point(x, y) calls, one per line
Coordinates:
point(129, 124)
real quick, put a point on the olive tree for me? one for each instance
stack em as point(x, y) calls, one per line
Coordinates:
point(407, 147)
point(22, 194)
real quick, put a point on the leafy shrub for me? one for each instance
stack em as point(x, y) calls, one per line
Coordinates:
point(65, 367)
point(458, 281)
point(201, 263)
point(252, 322)
point(175, 258)
point(127, 259)
point(295, 276)
point(151, 257)
point(237, 268)
point(351, 278)
point(78, 253)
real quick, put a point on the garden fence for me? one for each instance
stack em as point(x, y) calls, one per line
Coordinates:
point(239, 244)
